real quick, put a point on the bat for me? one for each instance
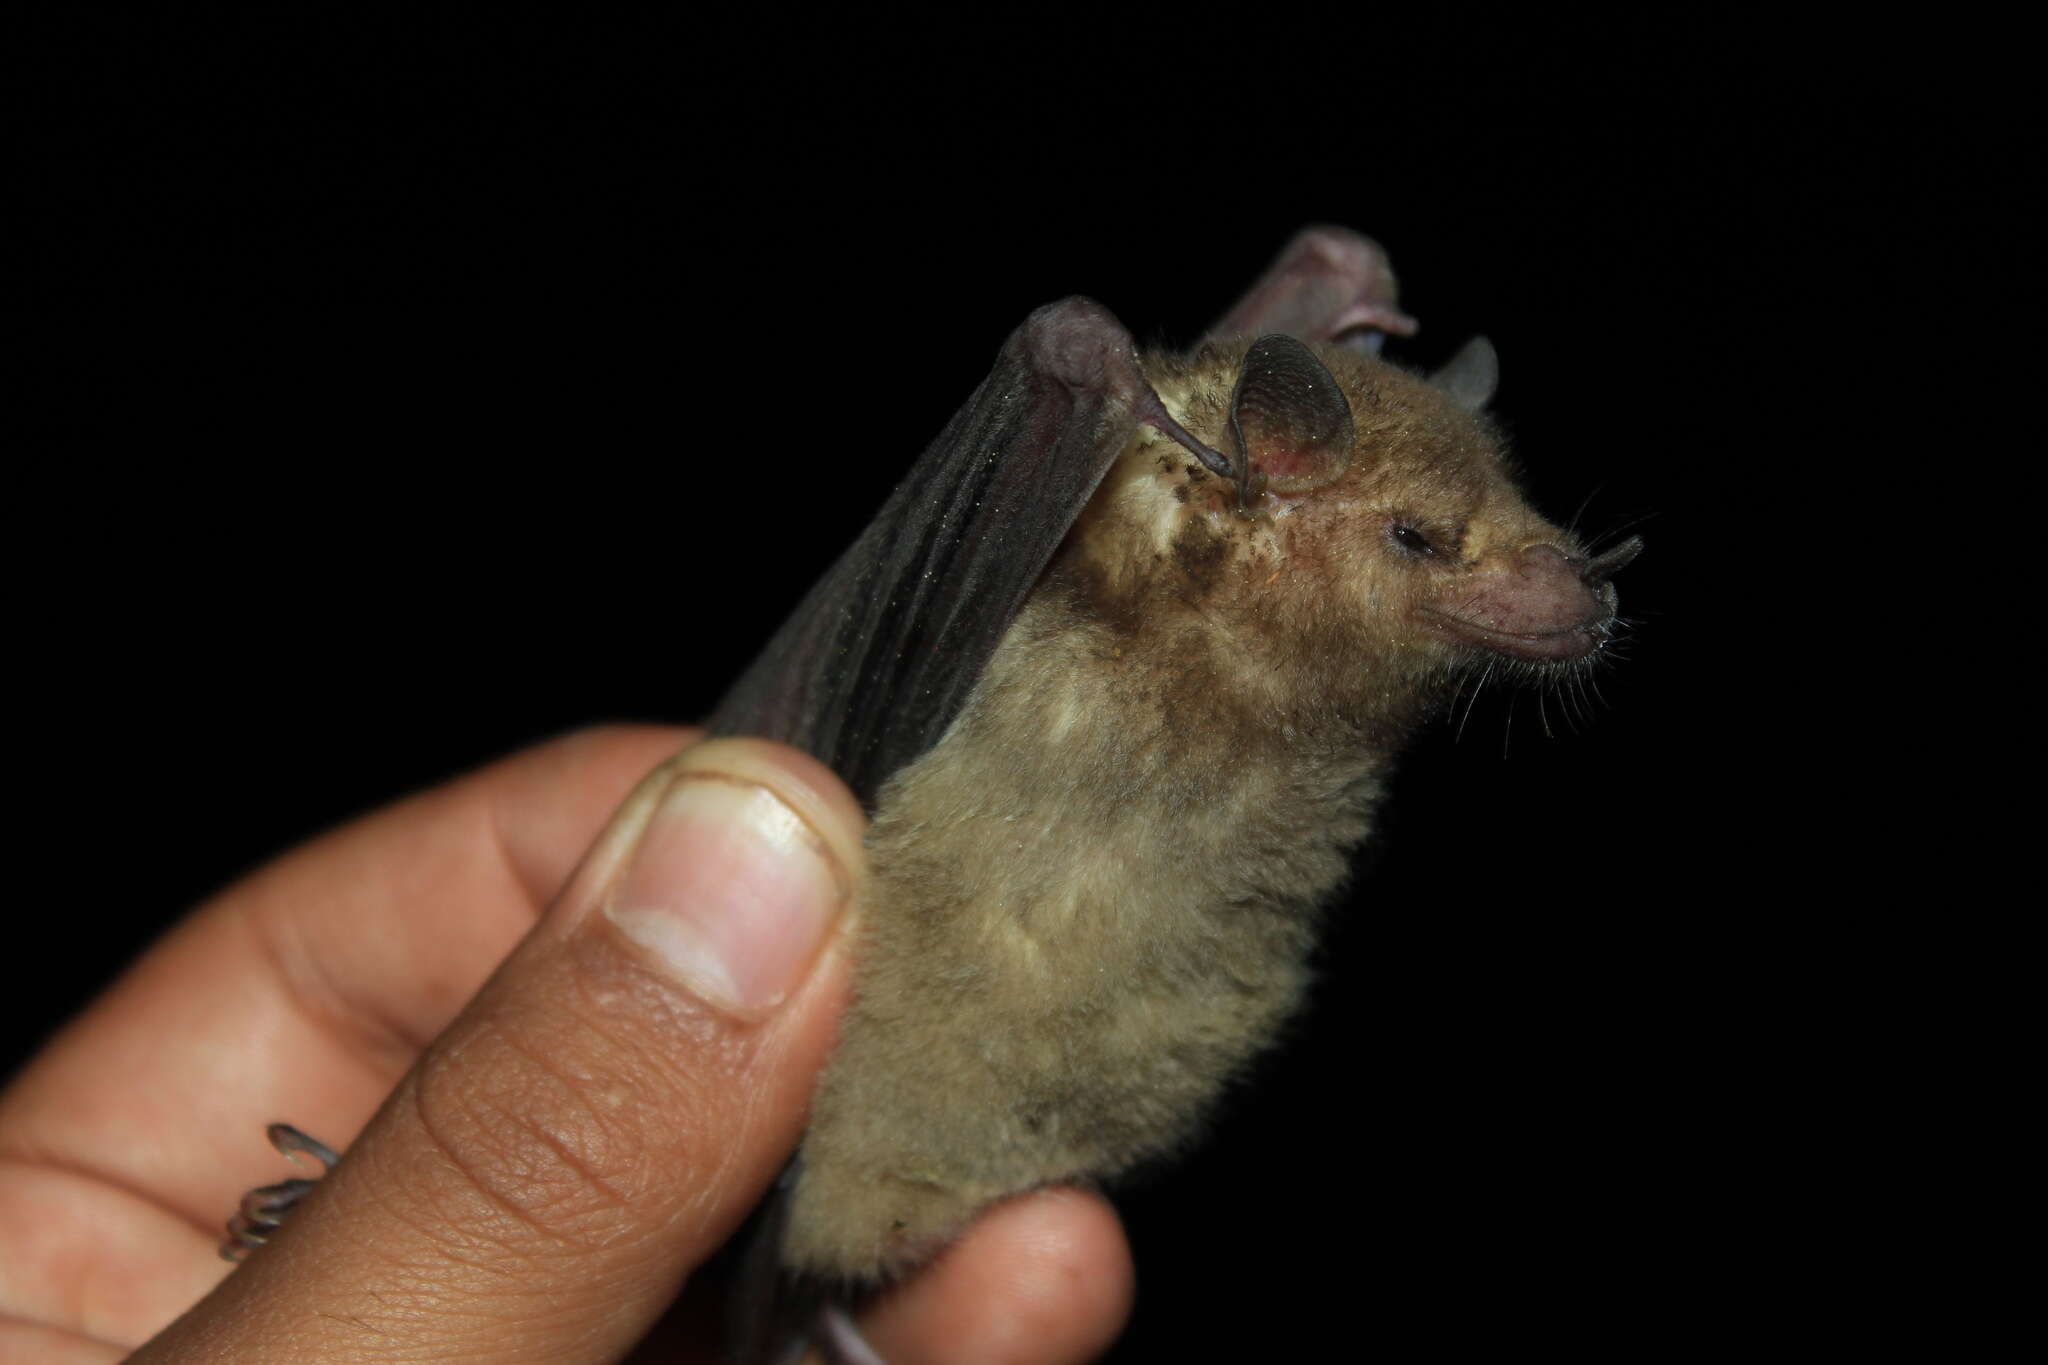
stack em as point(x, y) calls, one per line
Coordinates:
point(1119, 672)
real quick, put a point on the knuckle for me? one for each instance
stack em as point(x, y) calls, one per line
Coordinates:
point(547, 1144)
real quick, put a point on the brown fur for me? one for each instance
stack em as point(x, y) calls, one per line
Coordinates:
point(1092, 902)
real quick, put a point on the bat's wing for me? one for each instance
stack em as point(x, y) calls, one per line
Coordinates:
point(1328, 284)
point(878, 659)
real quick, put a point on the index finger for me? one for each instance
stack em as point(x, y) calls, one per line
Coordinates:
point(307, 989)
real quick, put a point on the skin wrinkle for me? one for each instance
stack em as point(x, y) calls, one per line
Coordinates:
point(729, 1054)
point(443, 1346)
point(111, 1180)
point(350, 1016)
point(473, 1251)
point(535, 896)
point(488, 823)
point(508, 1263)
point(78, 1311)
point(358, 1032)
point(470, 1182)
point(419, 1299)
point(722, 1158)
point(717, 1054)
point(702, 1208)
point(550, 1135)
point(499, 1189)
point(40, 1336)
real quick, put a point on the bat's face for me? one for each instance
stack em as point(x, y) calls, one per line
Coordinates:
point(1387, 566)
point(1459, 565)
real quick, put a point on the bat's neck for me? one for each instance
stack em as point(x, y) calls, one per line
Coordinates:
point(1145, 742)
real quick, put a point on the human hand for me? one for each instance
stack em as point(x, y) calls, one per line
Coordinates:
point(556, 1139)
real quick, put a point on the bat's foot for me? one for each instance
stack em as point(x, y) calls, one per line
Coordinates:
point(840, 1342)
point(265, 1207)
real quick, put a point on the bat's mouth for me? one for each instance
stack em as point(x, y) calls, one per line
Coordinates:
point(1539, 646)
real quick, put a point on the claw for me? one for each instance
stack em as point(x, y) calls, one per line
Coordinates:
point(263, 1209)
point(292, 1142)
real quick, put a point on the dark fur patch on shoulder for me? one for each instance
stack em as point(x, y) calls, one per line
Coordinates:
point(1089, 592)
point(1200, 551)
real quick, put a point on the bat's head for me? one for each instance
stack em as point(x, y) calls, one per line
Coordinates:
point(1373, 535)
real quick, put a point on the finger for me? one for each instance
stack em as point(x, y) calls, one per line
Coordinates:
point(1045, 1277)
point(607, 1109)
point(307, 989)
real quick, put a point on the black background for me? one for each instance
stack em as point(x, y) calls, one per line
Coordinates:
point(423, 388)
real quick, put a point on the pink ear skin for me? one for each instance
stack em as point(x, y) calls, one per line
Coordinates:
point(1544, 606)
point(1289, 420)
point(1328, 284)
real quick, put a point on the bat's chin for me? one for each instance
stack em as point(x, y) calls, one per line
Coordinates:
point(1537, 646)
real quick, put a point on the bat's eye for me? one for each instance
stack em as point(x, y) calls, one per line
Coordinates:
point(1411, 540)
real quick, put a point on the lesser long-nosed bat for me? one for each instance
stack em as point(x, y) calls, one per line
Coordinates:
point(1119, 671)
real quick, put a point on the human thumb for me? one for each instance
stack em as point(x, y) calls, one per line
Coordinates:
point(605, 1111)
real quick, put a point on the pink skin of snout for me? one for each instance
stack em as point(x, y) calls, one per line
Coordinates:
point(1541, 609)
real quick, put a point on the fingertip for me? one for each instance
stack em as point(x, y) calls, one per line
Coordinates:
point(804, 784)
point(1046, 1277)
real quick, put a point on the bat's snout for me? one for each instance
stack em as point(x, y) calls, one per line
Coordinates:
point(1546, 606)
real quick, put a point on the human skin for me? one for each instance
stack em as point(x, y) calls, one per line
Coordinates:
point(565, 1015)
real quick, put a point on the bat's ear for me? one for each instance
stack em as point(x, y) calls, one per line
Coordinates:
point(1291, 421)
point(1471, 376)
